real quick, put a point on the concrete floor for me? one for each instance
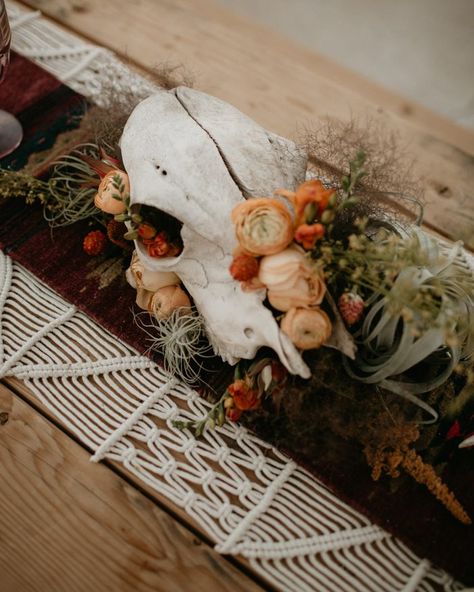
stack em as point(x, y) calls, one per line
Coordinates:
point(421, 49)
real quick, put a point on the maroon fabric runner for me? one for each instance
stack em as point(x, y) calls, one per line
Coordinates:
point(57, 258)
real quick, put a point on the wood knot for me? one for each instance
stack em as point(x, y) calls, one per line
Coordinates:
point(441, 189)
point(3, 418)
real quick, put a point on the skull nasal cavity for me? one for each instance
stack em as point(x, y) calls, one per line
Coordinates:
point(163, 172)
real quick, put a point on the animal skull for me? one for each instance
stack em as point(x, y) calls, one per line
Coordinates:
point(195, 157)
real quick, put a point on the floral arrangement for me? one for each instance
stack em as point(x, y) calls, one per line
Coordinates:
point(394, 304)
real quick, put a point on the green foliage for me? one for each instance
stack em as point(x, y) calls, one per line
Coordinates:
point(14, 185)
point(72, 187)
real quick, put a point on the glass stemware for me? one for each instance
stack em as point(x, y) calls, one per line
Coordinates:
point(11, 132)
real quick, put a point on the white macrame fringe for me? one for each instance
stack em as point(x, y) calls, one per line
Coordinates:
point(249, 498)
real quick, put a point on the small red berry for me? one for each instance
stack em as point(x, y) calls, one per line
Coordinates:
point(233, 414)
point(244, 268)
point(94, 243)
point(454, 431)
point(351, 307)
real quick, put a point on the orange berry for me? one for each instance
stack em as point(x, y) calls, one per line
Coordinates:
point(94, 243)
point(308, 234)
point(244, 268)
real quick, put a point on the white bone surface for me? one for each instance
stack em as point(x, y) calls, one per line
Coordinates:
point(195, 157)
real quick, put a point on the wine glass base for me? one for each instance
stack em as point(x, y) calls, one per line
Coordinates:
point(11, 133)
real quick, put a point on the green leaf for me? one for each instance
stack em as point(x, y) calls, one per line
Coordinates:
point(221, 415)
point(332, 201)
point(310, 212)
point(350, 202)
point(181, 425)
point(131, 235)
point(122, 217)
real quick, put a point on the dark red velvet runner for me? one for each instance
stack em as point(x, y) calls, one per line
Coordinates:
point(47, 107)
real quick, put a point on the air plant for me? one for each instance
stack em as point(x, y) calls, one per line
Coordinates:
point(423, 312)
point(180, 339)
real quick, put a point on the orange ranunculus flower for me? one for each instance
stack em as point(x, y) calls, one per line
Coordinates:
point(308, 234)
point(308, 328)
point(160, 246)
point(104, 198)
point(309, 192)
point(262, 225)
point(243, 395)
point(290, 280)
point(146, 231)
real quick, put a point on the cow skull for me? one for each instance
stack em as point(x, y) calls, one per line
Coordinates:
point(195, 157)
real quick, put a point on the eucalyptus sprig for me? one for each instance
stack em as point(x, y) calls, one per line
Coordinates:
point(346, 196)
point(215, 416)
point(356, 174)
point(128, 216)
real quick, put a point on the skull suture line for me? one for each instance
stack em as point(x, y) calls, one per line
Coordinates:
point(195, 157)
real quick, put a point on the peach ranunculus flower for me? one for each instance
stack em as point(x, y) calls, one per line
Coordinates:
point(308, 328)
point(290, 280)
point(104, 198)
point(310, 195)
point(263, 226)
point(138, 276)
point(147, 282)
point(168, 299)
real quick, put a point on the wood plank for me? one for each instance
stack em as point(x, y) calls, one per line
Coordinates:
point(68, 524)
point(281, 84)
point(19, 387)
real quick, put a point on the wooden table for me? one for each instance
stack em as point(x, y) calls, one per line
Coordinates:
point(72, 525)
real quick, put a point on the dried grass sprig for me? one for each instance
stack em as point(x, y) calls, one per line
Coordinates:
point(388, 441)
point(389, 187)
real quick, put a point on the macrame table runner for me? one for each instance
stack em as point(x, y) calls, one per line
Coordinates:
point(248, 497)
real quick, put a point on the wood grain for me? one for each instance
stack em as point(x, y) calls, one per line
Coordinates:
point(68, 524)
point(20, 387)
point(281, 85)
